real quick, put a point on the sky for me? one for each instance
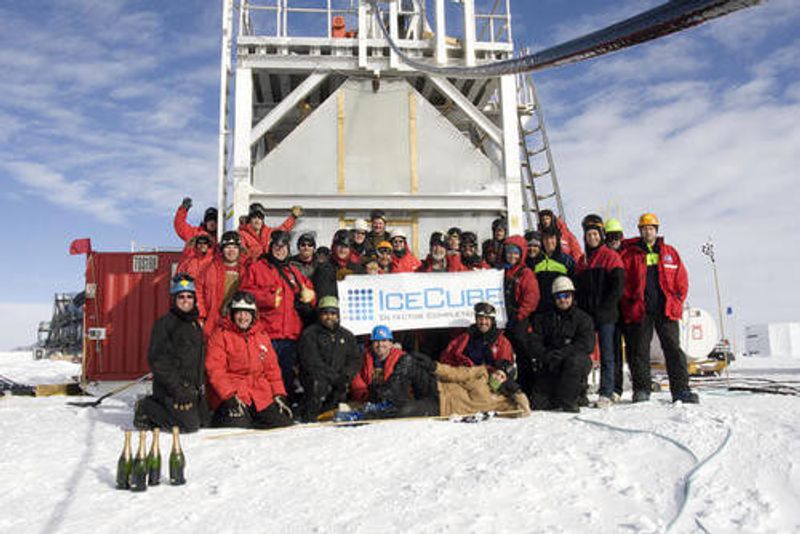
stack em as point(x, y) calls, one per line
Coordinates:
point(109, 116)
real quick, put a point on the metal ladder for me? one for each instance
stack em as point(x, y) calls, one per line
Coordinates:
point(540, 189)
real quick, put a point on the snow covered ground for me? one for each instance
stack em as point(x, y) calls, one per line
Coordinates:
point(547, 473)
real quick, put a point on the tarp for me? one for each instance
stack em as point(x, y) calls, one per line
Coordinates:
point(412, 301)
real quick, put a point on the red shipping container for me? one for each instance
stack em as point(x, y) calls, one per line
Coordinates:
point(126, 292)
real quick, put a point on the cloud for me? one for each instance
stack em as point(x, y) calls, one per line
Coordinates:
point(80, 195)
point(117, 126)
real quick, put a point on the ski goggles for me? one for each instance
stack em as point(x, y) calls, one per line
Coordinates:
point(562, 295)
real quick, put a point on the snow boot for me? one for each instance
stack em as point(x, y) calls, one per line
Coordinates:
point(687, 397)
point(603, 402)
point(641, 395)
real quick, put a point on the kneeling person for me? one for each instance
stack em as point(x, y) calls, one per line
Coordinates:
point(558, 350)
point(394, 379)
point(243, 371)
point(175, 358)
point(329, 359)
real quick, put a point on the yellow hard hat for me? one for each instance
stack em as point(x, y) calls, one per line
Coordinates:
point(649, 219)
point(613, 225)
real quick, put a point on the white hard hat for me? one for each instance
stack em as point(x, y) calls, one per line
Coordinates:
point(561, 284)
point(399, 232)
point(361, 225)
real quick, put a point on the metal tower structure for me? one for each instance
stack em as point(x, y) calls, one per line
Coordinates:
point(325, 115)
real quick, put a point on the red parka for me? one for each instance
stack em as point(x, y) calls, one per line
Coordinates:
point(185, 230)
point(454, 353)
point(211, 292)
point(257, 243)
point(243, 363)
point(455, 263)
point(359, 389)
point(407, 264)
point(263, 279)
point(427, 265)
point(193, 263)
point(672, 278)
point(522, 288)
point(569, 243)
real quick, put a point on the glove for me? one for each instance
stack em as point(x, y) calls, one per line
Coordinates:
point(186, 203)
point(297, 212)
point(509, 388)
point(236, 408)
point(306, 295)
point(283, 407)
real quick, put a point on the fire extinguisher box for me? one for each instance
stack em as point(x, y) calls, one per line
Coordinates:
point(126, 292)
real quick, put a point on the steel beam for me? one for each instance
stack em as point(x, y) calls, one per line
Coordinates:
point(457, 202)
point(511, 156)
point(481, 120)
point(286, 105)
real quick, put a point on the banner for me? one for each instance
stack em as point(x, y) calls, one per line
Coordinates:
point(414, 301)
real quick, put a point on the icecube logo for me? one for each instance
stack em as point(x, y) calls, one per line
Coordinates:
point(360, 305)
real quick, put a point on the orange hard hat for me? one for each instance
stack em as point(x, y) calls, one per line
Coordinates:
point(649, 219)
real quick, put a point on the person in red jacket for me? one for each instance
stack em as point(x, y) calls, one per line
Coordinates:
point(377, 365)
point(569, 243)
point(255, 234)
point(438, 260)
point(403, 260)
point(220, 281)
point(520, 287)
point(186, 231)
point(285, 299)
point(600, 280)
point(481, 344)
point(243, 372)
point(656, 284)
point(469, 259)
point(197, 256)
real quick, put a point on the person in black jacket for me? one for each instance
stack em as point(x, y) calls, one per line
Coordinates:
point(600, 281)
point(329, 359)
point(556, 352)
point(338, 266)
point(177, 361)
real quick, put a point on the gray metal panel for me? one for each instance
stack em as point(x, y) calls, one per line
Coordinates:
point(448, 161)
point(376, 130)
point(305, 162)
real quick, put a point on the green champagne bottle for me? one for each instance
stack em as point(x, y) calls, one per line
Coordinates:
point(138, 480)
point(125, 463)
point(154, 461)
point(177, 463)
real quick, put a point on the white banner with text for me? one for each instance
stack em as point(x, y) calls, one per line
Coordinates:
point(414, 301)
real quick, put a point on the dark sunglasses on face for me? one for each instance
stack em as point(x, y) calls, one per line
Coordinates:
point(563, 295)
point(306, 244)
point(384, 251)
point(184, 296)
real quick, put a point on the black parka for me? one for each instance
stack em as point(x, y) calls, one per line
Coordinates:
point(177, 358)
point(328, 356)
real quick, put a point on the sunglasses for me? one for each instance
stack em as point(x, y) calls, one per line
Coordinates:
point(563, 295)
point(184, 296)
point(384, 251)
point(306, 244)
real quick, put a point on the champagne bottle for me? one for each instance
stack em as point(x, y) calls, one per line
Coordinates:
point(138, 480)
point(125, 463)
point(154, 461)
point(177, 463)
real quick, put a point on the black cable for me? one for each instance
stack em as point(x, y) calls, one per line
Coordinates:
point(670, 17)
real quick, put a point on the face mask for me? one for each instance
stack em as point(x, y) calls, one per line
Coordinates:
point(494, 384)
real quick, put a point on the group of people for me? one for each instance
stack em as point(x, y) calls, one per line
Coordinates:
point(253, 335)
